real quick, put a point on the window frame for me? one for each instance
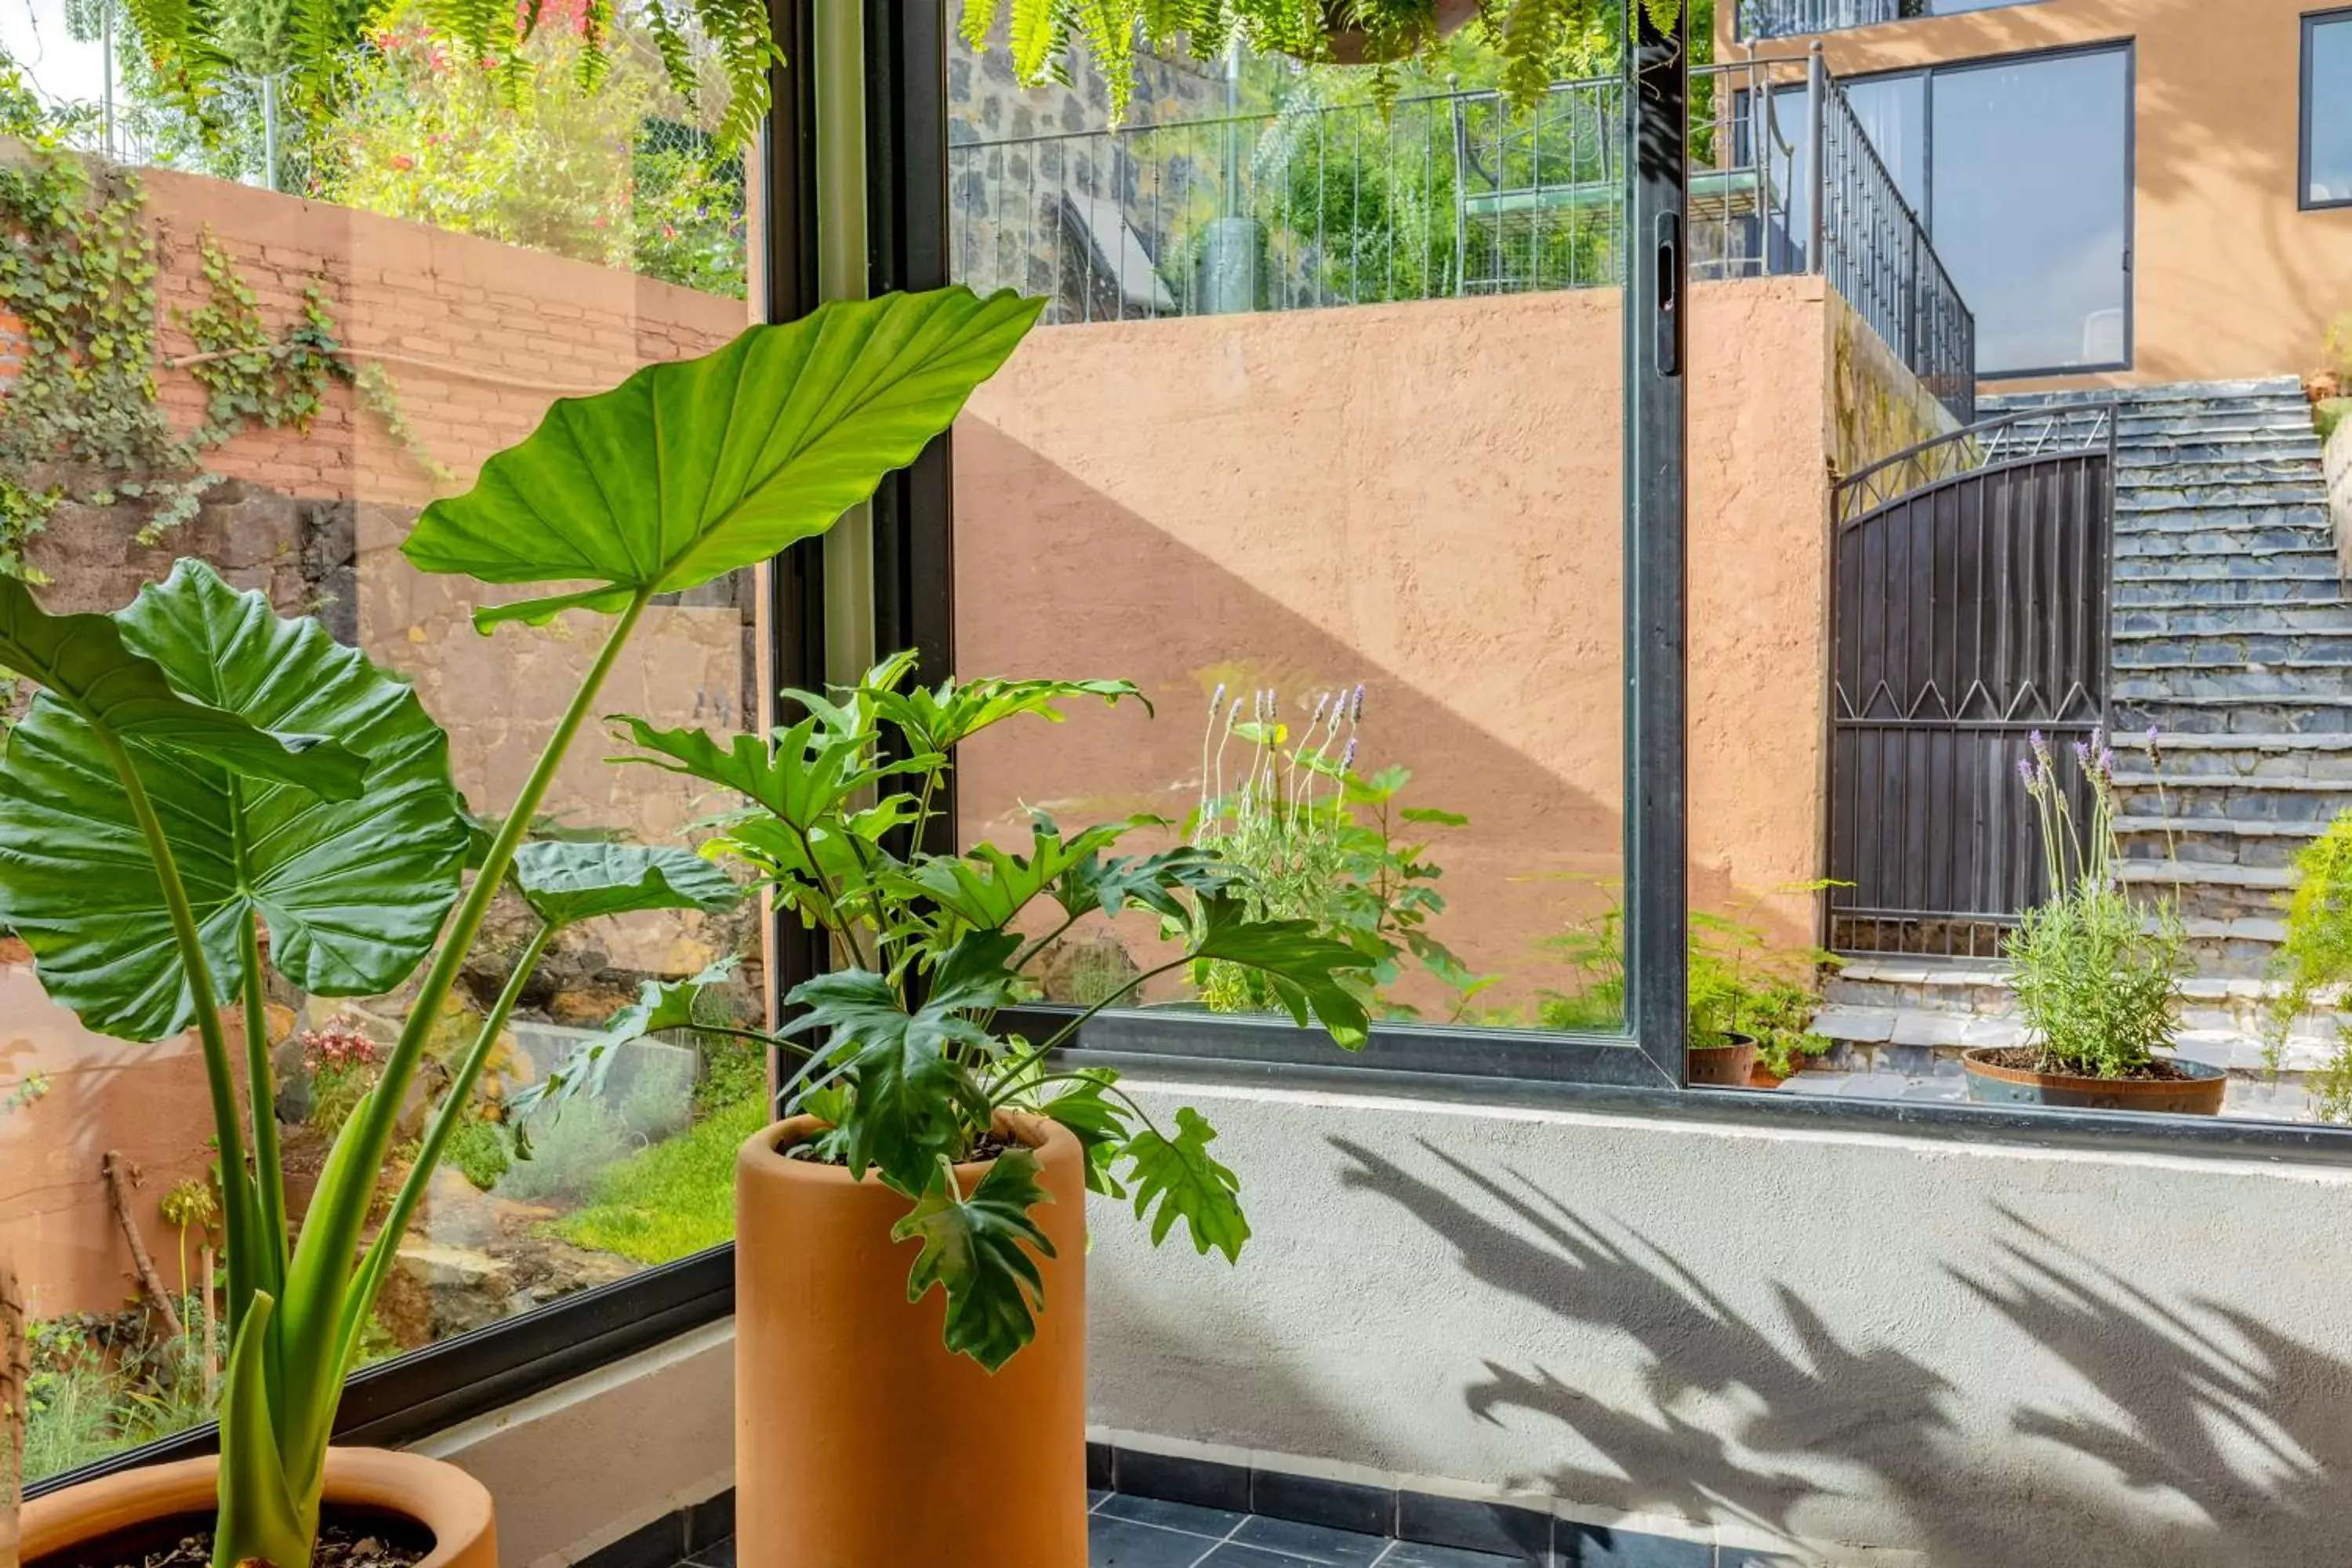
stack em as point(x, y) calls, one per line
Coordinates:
point(1925, 75)
point(2305, 103)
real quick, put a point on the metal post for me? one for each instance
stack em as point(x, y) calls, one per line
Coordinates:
point(270, 131)
point(1817, 81)
point(1657, 168)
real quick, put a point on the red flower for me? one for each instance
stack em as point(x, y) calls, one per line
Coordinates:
point(402, 161)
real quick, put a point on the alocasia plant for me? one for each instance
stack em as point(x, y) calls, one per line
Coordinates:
point(901, 1050)
point(196, 769)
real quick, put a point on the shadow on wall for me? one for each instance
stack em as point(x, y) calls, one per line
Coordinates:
point(2223, 1441)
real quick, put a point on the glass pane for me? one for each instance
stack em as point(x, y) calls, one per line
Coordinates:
point(2032, 206)
point(1318, 445)
point(2326, 100)
point(435, 265)
point(1893, 114)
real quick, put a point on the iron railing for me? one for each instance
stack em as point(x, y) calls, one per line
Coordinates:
point(1875, 251)
point(1970, 594)
point(1796, 18)
point(1447, 195)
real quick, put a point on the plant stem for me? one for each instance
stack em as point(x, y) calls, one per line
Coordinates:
point(1009, 1082)
point(445, 1125)
point(237, 1193)
point(261, 1086)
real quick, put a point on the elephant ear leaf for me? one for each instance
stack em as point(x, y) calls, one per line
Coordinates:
point(354, 891)
point(693, 467)
point(82, 663)
point(566, 882)
point(974, 1249)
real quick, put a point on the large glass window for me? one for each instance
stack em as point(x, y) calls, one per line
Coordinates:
point(2328, 109)
point(2030, 207)
point(354, 300)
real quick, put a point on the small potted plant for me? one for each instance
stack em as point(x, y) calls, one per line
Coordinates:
point(930, 1154)
point(2097, 977)
point(196, 770)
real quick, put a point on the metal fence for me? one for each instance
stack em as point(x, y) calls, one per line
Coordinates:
point(1968, 611)
point(1447, 195)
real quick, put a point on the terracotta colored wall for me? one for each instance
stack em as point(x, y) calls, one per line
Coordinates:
point(147, 1102)
point(1425, 497)
point(2231, 278)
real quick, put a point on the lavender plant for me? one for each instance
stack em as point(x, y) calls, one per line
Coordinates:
point(2097, 977)
point(1316, 840)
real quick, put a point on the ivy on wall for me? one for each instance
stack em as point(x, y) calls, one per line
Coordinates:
point(78, 271)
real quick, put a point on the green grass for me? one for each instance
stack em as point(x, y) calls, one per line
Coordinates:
point(671, 1198)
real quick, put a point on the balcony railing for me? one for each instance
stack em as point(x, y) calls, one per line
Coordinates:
point(1798, 18)
point(1448, 196)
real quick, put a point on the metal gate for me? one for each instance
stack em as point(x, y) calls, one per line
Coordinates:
point(1969, 609)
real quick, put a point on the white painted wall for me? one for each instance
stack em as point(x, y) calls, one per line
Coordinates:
point(1952, 1356)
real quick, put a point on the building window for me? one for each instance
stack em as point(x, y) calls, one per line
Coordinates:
point(2327, 110)
point(1796, 18)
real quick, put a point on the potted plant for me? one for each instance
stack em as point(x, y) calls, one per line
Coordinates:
point(930, 1154)
point(195, 769)
point(2097, 977)
point(1751, 1003)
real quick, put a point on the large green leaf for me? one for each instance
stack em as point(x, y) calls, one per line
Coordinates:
point(353, 891)
point(1315, 976)
point(566, 882)
point(1151, 882)
point(1176, 1178)
point(800, 777)
point(693, 467)
point(913, 1095)
point(82, 663)
point(986, 886)
point(1098, 1123)
point(262, 1515)
point(936, 719)
point(974, 1249)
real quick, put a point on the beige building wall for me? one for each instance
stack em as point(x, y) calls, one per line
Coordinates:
point(2231, 278)
point(1426, 498)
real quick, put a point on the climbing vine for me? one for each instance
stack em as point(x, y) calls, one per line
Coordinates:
point(80, 418)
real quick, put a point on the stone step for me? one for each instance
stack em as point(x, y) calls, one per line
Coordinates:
point(2250, 544)
point(2309, 514)
point(2252, 861)
point(2137, 430)
point(2290, 680)
point(2237, 945)
point(2159, 497)
point(2201, 800)
point(2179, 472)
point(2266, 389)
point(2315, 563)
point(2233, 758)
point(2159, 447)
point(2232, 652)
point(1980, 988)
point(2221, 605)
point(2303, 714)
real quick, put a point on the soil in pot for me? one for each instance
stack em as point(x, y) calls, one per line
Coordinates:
point(353, 1538)
point(2012, 1075)
point(1725, 1066)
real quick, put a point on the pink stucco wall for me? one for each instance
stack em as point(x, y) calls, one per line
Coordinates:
point(1425, 497)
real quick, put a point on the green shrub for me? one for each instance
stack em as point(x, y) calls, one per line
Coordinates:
point(2317, 954)
point(560, 1151)
point(673, 1198)
point(478, 1150)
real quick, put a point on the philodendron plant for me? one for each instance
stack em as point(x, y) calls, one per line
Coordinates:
point(901, 1053)
point(196, 769)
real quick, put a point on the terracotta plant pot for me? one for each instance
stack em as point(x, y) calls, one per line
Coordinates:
point(1349, 46)
point(2197, 1092)
point(160, 1501)
point(860, 1441)
point(1728, 1066)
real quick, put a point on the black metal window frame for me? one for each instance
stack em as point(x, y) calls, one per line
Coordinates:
point(2307, 104)
point(1639, 1072)
point(1925, 75)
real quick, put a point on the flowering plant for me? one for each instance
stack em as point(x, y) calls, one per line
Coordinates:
point(342, 1064)
point(2097, 977)
point(1315, 841)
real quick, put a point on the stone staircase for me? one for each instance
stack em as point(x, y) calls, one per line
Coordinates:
point(2233, 636)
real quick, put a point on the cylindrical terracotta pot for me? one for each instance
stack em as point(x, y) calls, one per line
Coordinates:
point(860, 1441)
point(1728, 1067)
point(2197, 1093)
point(441, 1498)
point(1349, 46)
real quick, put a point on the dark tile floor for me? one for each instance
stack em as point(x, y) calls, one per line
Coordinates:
point(1143, 1533)
point(1139, 1533)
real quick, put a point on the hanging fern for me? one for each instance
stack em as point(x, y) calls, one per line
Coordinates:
point(1539, 40)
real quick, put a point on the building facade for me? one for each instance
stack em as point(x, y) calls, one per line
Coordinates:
point(2126, 191)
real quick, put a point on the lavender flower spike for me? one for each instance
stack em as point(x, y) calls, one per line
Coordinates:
point(2083, 754)
point(2025, 772)
point(1347, 757)
point(1356, 709)
point(2040, 744)
point(1216, 698)
point(2155, 751)
point(2107, 765)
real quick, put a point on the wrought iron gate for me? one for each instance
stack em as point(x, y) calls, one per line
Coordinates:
point(1969, 609)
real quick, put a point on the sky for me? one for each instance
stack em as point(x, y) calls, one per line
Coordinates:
point(33, 33)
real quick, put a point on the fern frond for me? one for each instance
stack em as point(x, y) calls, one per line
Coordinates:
point(1038, 26)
